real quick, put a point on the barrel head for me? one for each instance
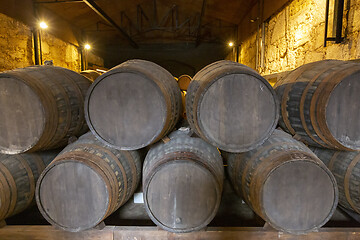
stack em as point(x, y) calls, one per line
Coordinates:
point(237, 112)
point(22, 118)
point(72, 196)
point(184, 81)
point(126, 109)
point(182, 197)
point(299, 196)
point(343, 112)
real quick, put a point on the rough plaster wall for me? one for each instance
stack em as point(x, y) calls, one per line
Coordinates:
point(295, 36)
point(16, 48)
point(248, 51)
point(63, 54)
point(15, 44)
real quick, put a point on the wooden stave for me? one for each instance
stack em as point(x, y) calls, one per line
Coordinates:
point(203, 80)
point(22, 170)
point(340, 164)
point(198, 152)
point(169, 89)
point(66, 86)
point(127, 163)
point(279, 149)
point(314, 94)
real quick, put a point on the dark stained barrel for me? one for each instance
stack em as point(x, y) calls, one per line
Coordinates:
point(85, 183)
point(41, 107)
point(182, 183)
point(92, 75)
point(18, 176)
point(184, 82)
point(285, 184)
point(133, 105)
point(320, 104)
point(346, 168)
point(231, 106)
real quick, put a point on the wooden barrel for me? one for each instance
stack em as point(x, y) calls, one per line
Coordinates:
point(285, 184)
point(85, 183)
point(41, 107)
point(92, 75)
point(184, 82)
point(183, 109)
point(231, 106)
point(18, 176)
point(319, 104)
point(182, 183)
point(133, 105)
point(346, 168)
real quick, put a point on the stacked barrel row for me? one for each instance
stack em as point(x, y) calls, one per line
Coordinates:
point(320, 107)
point(41, 107)
point(136, 105)
point(230, 107)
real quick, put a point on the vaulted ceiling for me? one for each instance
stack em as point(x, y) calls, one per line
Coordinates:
point(136, 22)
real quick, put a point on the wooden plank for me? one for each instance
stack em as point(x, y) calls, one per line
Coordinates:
point(49, 232)
point(144, 233)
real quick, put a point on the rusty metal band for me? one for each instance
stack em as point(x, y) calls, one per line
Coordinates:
point(130, 160)
point(302, 103)
point(65, 97)
point(4, 196)
point(313, 108)
point(47, 101)
point(255, 186)
point(324, 98)
point(97, 164)
point(165, 92)
point(347, 183)
point(288, 81)
point(81, 99)
point(118, 163)
point(31, 178)
point(316, 108)
point(38, 162)
point(249, 163)
point(12, 188)
point(332, 160)
point(182, 156)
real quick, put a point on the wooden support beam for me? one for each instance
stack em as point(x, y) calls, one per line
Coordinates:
point(198, 33)
point(65, 1)
point(144, 233)
point(109, 20)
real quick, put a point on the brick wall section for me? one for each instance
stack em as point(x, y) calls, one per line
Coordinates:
point(16, 44)
point(295, 36)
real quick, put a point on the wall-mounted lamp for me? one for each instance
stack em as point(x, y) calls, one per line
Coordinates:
point(231, 44)
point(43, 25)
point(87, 46)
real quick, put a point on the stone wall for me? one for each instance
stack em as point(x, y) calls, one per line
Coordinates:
point(17, 48)
point(295, 36)
point(63, 54)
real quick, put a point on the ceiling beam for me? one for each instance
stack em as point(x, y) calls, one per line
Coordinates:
point(109, 20)
point(198, 32)
point(61, 1)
